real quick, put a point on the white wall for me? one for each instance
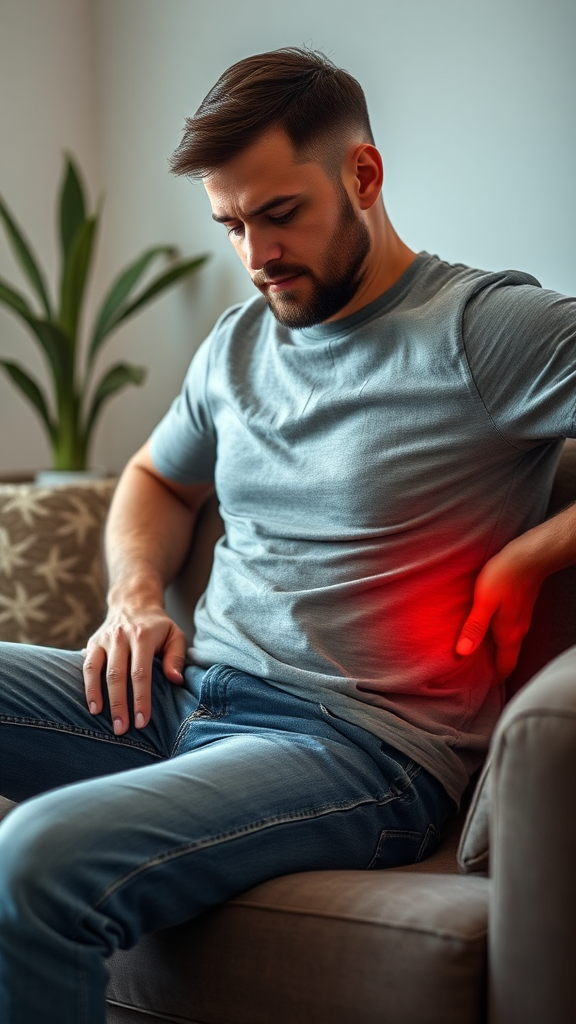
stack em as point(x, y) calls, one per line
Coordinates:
point(47, 105)
point(472, 105)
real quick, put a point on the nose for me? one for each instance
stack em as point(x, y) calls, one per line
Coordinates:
point(260, 248)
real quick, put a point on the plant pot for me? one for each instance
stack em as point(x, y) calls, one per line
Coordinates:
point(65, 477)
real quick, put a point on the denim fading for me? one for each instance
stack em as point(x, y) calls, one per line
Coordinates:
point(234, 781)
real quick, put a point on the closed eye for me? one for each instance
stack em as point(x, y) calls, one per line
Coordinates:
point(237, 230)
point(283, 218)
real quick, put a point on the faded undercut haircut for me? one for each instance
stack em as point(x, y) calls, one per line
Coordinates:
point(320, 107)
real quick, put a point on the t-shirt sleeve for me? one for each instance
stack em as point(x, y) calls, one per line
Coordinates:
point(183, 445)
point(520, 341)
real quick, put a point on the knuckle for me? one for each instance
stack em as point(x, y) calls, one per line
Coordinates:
point(113, 674)
point(475, 630)
point(139, 674)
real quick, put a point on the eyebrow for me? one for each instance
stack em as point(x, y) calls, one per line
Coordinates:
point(271, 204)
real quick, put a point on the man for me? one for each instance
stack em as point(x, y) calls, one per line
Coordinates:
point(381, 429)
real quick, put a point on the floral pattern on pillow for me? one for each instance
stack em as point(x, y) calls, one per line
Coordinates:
point(52, 588)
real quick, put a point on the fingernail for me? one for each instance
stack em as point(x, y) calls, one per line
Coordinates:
point(117, 725)
point(139, 720)
point(93, 707)
point(465, 645)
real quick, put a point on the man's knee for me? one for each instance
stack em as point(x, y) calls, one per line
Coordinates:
point(38, 861)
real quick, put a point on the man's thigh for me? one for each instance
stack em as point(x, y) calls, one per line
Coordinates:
point(261, 784)
point(112, 857)
point(48, 737)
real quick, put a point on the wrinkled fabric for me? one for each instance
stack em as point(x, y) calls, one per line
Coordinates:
point(366, 470)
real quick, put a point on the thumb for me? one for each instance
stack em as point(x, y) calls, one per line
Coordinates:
point(474, 629)
point(173, 658)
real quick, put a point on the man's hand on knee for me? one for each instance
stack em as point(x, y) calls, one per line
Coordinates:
point(125, 646)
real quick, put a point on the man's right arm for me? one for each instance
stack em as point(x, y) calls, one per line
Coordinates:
point(148, 534)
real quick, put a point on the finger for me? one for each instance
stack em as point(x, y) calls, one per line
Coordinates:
point(474, 630)
point(141, 675)
point(174, 657)
point(117, 681)
point(94, 660)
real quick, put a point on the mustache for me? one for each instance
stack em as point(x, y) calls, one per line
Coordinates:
point(273, 271)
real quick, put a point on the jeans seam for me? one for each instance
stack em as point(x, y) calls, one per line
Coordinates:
point(218, 840)
point(216, 673)
point(223, 675)
point(180, 735)
point(406, 833)
point(73, 730)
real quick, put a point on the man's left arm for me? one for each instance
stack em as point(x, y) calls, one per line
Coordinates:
point(507, 587)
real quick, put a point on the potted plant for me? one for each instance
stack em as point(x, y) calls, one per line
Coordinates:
point(70, 413)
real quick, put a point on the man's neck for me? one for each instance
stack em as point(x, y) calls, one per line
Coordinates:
point(389, 258)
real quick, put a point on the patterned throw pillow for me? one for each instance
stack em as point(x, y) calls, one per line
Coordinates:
point(51, 569)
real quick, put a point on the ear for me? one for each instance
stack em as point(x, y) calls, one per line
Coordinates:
point(365, 163)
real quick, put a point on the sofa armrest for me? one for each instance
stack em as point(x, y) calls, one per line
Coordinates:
point(532, 913)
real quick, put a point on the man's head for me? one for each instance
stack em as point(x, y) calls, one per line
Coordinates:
point(284, 148)
point(318, 106)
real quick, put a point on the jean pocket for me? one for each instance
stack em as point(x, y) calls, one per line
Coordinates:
point(396, 847)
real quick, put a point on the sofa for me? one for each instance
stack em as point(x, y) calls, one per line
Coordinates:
point(479, 933)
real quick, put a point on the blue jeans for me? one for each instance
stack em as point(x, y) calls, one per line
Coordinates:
point(233, 782)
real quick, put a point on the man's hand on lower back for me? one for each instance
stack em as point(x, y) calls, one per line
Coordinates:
point(125, 646)
point(504, 596)
point(508, 585)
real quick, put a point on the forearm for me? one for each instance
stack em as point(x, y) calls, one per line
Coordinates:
point(548, 547)
point(148, 533)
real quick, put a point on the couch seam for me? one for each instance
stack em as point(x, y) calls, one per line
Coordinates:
point(303, 912)
point(150, 1013)
point(536, 712)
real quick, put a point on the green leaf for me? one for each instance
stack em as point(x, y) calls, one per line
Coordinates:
point(74, 276)
point(117, 377)
point(56, 347)
point(72, 207)
point(31, 390)
point(119, 291)
point(15, 301)
point(25, 257)
point(159, 284)
point(53, 342)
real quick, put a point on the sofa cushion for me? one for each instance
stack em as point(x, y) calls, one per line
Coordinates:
point(330, 946)
point(5, 806)
point(474, 848)
point(51, 572)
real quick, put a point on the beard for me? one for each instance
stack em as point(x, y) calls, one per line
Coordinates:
point(336, 283)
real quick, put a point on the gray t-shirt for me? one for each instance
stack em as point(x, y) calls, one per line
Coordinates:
point(366, 469)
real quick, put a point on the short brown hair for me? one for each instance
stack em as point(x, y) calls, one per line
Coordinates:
point(300, 91)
